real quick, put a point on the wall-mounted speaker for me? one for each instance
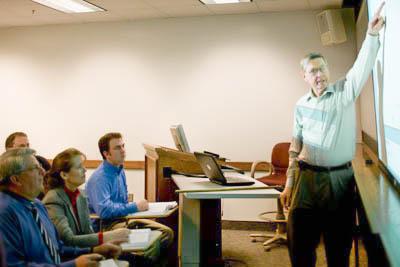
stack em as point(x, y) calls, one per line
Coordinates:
point(331, 27)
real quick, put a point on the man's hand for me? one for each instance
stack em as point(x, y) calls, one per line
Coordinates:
point(285, 197)
point(108, 250)
point(121, 234)
point(88, 260)
point(142, 205)
point(377, 22)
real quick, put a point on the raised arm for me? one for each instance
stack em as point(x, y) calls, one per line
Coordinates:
point(358, 74)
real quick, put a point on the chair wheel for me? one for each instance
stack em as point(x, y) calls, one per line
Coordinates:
point(267, 248)
point(253, 240)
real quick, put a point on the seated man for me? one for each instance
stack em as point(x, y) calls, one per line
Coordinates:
point(20, 140)
point(30, 238)
point(17, 140)
point(108, 194)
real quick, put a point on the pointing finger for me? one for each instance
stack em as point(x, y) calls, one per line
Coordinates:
point(378, 12)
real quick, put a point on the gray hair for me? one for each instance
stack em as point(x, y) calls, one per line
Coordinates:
point(313, 55)
point(13, 162)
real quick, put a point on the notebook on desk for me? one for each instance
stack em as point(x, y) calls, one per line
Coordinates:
point(140, 239)
point(213, 171)
point(113, 263)
point(157, 209)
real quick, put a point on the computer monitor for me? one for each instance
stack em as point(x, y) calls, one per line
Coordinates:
point(179, 138)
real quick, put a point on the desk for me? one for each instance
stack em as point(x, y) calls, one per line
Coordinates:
point(190, 216)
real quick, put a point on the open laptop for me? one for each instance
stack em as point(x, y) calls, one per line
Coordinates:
point(213, 171)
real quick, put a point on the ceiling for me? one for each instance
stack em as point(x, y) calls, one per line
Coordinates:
point(26, 12)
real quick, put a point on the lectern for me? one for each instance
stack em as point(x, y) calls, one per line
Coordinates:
point(159, 187)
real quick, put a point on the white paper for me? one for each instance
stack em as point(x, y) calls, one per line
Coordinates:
point(157, 208)
point(138, 238)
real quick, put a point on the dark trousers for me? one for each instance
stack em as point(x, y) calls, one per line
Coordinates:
point(322, 205)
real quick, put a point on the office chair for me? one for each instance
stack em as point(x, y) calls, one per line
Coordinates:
point(275, 177)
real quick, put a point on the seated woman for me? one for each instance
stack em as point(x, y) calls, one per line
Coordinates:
point(68, 206)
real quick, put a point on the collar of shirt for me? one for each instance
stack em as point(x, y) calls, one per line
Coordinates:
point(72, 195)
point(111, 168)
point(25, 202)
point(328, 89)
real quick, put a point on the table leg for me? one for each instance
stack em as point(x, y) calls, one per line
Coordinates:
point(189, 232)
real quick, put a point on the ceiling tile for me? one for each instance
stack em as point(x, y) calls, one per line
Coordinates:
point(170, 3)
point(234, 8)
point(111, 5)
point(186, 11)
point(140, 13)
point(19, 12)
point(282, 5)
point(95, 16)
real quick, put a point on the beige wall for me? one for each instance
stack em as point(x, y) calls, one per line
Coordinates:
point(232, 81)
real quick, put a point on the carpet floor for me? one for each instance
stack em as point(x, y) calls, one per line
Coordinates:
point(239, 251)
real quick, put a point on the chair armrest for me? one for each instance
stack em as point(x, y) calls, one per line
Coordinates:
point(254, 167)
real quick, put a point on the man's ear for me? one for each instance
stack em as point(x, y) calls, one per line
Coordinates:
point(15, 180)
point(303, 74)
point(63, 175)
point(105, 154)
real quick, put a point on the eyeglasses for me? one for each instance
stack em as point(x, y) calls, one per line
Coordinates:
point(321, 69)
point(36, 167)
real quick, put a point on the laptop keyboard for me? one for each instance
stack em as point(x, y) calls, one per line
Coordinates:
point(235, 179)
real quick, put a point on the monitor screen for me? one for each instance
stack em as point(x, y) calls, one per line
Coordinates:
point(386, 87)
point(179, 138)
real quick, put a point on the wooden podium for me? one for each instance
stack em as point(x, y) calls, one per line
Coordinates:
point(158, 187)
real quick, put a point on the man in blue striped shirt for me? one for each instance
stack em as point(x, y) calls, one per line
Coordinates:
point(320, 154)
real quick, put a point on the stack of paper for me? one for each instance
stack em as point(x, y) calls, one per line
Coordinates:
point(162, 206)
point(138, 238)
point(113, 263)
point(157, 208)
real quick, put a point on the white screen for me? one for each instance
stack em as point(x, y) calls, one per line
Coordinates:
point(386, 76)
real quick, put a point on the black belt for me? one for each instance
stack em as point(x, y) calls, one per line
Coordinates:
point(304, 165)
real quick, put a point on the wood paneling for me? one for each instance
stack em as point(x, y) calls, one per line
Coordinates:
point(139, 165)
point(129, 164)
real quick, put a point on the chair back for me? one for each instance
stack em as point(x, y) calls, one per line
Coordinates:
point(280, 157)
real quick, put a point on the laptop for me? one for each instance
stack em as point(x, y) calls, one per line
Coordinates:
point(213, 171)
